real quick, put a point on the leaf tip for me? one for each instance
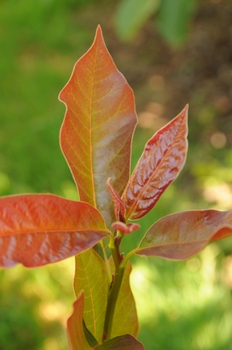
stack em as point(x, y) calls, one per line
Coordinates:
point(185, 110)
point(98, 34)
point(99, 30)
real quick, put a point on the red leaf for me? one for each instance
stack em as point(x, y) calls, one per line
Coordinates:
point(40, 229)
point(182, 235)
point(124, 342)
point(76, 334)
point(98, 127)
point(119, 205)
point(161, 162)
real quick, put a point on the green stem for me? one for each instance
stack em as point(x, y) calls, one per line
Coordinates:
point(112, 300)
point(128, 256)
point(115, 287)
point(120, 265)
point(108, 270)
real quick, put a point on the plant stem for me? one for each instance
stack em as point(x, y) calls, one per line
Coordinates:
point(108, 270)
point(112, 300)
point(128, 256)
point(120, 266)
point(115, 287)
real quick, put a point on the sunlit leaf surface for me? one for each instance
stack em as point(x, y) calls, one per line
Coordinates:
point(161, 162)
point(91, 277)
point(182, 235)
point(124, 342)
point(76, 334)
point(40, 229)
point(98, 126)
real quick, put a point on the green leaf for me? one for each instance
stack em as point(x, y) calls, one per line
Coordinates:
point(173, 19)
point(40, 229)
point(131, 15)
point(160, 164)
point(97, 130)
point(89, 336)
point(125, 315)
point(75, 327)
point(77, 333)
point(182, 235)
point(91, 277)
point(124, 342)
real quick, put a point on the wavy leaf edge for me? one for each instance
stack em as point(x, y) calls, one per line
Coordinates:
point(217, 225)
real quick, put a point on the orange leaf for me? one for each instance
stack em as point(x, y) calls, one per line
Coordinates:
point(98, 127)
point(40, 229)
point(76, 333)
point(161, 162)
point(182, 235)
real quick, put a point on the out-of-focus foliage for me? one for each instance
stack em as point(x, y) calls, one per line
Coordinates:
point(131, 15)
point(171, 17)
point(34, 306)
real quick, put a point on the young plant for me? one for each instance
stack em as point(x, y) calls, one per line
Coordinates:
point(96, 136)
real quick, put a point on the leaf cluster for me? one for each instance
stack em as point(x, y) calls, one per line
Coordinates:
point(95, 139)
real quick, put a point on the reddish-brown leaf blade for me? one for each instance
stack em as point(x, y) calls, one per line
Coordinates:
point(124, 342)
point(119, 205)
point(40, 229)
point(98, 127)
point(76, 333)
point(161, 162)
point(182, 235)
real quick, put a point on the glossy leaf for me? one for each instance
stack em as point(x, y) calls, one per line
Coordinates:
point(124, 342)
point(161, 162)
point(40, 229)
point(98, 127)
point(75, 327)
point(125, 314)
point(91, 277)
point(182, 235)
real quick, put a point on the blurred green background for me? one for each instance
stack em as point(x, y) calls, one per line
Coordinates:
point(172, 53)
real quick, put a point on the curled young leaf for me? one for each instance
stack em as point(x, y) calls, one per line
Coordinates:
point(119, 205)
point(161, 162)
point(125, 228)
point(182, 235)
point(40, 229)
